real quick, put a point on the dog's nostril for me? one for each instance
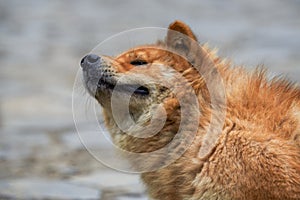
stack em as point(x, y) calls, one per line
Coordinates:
point(82, 60)
point(92, 58)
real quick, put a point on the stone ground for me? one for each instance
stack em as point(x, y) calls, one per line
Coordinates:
point(42, 42)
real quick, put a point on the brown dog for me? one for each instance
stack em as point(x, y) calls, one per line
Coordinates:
point(246, 144)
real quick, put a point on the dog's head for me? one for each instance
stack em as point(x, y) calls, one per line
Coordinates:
point(142, 91)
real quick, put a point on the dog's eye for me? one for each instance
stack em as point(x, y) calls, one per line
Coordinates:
point(138, 62)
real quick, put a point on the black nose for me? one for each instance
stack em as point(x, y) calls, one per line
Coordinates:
point(91, 58)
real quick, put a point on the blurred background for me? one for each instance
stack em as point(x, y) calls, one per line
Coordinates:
point(41, 45)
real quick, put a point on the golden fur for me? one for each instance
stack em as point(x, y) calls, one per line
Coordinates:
point(257, 153)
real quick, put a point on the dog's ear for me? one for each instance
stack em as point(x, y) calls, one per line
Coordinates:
point(180, 37)
point(182, 41)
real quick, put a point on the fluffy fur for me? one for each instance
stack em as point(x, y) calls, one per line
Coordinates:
point(256, 154)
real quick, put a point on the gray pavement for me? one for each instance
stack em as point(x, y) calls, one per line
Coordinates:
point(41, 44)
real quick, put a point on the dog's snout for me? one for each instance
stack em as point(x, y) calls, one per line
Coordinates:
point(89, 59)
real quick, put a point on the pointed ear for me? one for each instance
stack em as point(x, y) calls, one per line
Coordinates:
point(180, 37)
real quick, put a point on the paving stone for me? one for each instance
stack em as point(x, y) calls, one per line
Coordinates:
point(94, 140)
point(36, 110)
point(114, 184)
point(132, 198)
point(108, 179)
point(46, 189)
point(16, 145)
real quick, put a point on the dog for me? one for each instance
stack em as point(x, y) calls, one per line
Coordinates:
point(210, 130)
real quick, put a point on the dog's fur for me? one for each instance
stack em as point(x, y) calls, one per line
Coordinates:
point(256, 155)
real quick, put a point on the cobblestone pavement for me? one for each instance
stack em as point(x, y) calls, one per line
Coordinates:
point(41, 45)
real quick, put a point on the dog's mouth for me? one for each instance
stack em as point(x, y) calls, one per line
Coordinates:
point(127, 88)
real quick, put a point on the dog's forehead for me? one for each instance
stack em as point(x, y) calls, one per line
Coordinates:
point(142, 52)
